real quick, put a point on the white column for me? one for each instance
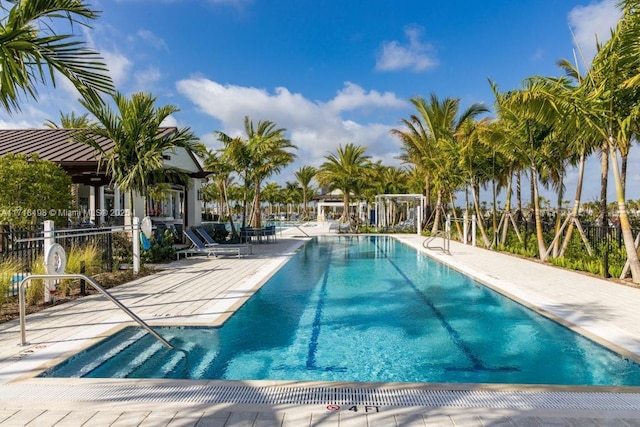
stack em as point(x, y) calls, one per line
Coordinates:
point(419, 219)
point(92, 204)
point(116, 199)
point(103, 203)
point(49, 240)
point(473, 230)
point(136, 245)
point(465, 227)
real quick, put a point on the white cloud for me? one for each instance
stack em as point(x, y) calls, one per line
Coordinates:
point(591, 24)
point(416, 56)
point(145, 79)
point(119, 66)
point(317, 128)
point(353, 97)
point(152, 39)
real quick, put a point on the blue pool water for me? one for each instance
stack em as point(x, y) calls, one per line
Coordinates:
point(365, 309)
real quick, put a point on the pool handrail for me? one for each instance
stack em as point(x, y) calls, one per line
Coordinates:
point(103, 291)
point(446, 241)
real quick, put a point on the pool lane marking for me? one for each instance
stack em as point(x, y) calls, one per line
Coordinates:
point(317, 326)
point(477, 364)
point(317, 321)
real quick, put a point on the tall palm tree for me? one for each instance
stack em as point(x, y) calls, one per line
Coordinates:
point(305, 175)
point(271, 194)
point(31, 52)
point(526, 113)
point(293, 197)
point(614, 111)
point(136, 160)
point(221, 170)
point(344, 171)
point(432, 132)
point(264, 152)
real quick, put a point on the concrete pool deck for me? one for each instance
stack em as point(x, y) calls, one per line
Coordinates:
point(204, 291)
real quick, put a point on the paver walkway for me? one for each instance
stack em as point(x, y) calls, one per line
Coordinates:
point(201, 291)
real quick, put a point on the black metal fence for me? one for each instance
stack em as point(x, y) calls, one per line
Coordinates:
point(21, 247)
point(25, 248)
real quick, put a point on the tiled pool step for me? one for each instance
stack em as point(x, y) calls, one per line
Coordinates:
point(320, 395)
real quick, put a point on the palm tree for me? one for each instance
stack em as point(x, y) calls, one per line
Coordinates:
point(136, 160)
point(263, 153)
point(525, 113)
point(344, 171)
point(32, 52)
point(614, 110)
point(271, 194)
point(432, 132)
point(305, 175)
point(293, 197)
point(70, 121)
point(221, 171)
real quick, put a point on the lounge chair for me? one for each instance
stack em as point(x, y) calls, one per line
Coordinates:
point(222, 246)
point(198, 247)
point(206, 237)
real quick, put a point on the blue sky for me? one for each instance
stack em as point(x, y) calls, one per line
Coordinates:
point(330, 72)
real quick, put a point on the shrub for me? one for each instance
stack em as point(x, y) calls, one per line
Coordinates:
point(161, 249)
point(7, 269)
point(122, 249)
point(35, 290)
point(89, 256)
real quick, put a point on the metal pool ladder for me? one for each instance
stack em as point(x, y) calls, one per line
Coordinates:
point(103, 291)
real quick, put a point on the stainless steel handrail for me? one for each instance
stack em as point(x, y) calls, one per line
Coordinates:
point(103, 291)
point(446, 241)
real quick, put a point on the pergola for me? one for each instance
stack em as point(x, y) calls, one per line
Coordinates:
point(412, 203)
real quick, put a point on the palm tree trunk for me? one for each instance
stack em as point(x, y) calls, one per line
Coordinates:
point(604, 173)
point(455, 217)
point(507, 212)
point(576, 206)
point(427, 186)
point(257, 211)
point(305, 212)
point(436, 220)
point(556, 244)
point(623, 172)
point(518, 196)
point(627, 235)
point(221, 200)
point(542, 248)
point(345, 208)
point(479, 218)
point(226, 199)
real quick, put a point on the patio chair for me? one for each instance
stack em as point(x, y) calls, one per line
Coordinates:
point(206, 236)
point(197, 246)
point(224, 247)
point(270, 232)
point(197, 241)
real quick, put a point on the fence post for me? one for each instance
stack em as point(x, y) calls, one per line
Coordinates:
point(83, 284)
point(136, 244)
point(465, 227)
point(49, 240)
point(473, 230)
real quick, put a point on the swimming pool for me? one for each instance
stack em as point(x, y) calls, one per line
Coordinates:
point(355, 308)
